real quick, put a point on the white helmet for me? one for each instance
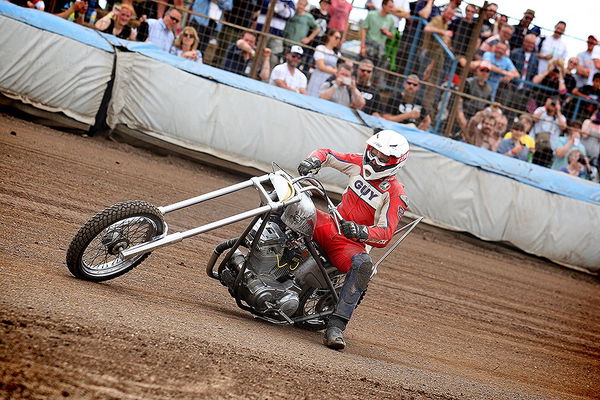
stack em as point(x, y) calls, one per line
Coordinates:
point(385, 154)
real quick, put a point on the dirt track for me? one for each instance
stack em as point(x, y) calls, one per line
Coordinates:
point(448, 317)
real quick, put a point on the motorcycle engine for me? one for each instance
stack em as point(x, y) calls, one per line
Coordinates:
point(269, 284)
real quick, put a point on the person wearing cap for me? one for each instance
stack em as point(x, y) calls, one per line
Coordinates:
point(502, 70)
point(552, 47)
point(298, 27)
point(586, 65)
point(478, 87)
point(406, 108)
point(287, 75)
point(522, 29)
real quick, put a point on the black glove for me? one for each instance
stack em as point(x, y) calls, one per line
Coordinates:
point(352, 230)
point(310, 165)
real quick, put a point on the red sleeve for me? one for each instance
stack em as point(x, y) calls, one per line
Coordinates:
point(347, 163)
point(383, 229)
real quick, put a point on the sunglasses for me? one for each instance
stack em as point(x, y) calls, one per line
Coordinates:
point(190, 35)
point(296, 55)
point(366, 71)
point(174, 19)
point(412, 84)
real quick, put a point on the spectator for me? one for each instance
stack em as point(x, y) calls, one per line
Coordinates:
point(595, 64)
point(287, 75)
point(116, 22)
point(322, 17)
point(241, 14)
point(566, 143)
point(401, 9)
point(575, 166)
point(501, 21)
point(522, 29)
point(160, 8)
point(283, 11)
point(342, 89)
point(376, 28)
point(205, 27)
point(487, 27)
point(513, 146)
point(590, 137)
point(298, 27)
point(480, 127)
point(478, 87)
point(74, 11)
point(585, 62)
point(552, 47)
point(570, 81)
point(502, 69)
point(326, 57)
point(525, 121)
point(432, 58)
point(552, 80)
point(186, 45)
point(368, 91)
point(406, 108)
point(340, 14)
point(160, 31)
point(504, 37)
point(525, 58)
point(462, 28)
point(240, 55)
point(590, 92)
point(37, 4)
point(549, 119)
point(423, 9)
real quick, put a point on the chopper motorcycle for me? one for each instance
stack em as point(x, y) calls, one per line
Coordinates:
point(273, 270)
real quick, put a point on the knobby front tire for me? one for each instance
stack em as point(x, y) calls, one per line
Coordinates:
point(93, 254)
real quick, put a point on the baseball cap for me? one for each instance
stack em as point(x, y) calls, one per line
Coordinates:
point(485, 65)
point(326, 1)
point(592, 38)
point(530, 11)
point(296, 49)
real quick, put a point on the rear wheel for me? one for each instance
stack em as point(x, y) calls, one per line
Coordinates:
point(94, 252)
point(317, 300)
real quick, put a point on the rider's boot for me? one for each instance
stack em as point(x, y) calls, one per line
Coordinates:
point(355, 284)
point(334, 334)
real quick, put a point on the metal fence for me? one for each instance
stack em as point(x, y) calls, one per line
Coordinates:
point(446, 83)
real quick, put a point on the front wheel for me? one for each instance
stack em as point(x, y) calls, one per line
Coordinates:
point(94, 252)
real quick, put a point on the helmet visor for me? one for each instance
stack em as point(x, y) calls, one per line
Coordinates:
point(378, 160)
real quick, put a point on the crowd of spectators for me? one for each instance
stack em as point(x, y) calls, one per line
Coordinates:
point(523, 96)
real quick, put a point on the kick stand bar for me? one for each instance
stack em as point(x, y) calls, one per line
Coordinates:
point(410, 227)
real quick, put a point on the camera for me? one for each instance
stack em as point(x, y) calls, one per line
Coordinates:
point(555, 70)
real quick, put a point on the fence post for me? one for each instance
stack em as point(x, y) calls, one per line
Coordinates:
point(262, 40)
point(465, 71)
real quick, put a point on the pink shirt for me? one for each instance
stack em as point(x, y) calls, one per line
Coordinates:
point(340, 12)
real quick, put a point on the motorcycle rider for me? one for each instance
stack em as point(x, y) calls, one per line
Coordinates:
point(371, 208)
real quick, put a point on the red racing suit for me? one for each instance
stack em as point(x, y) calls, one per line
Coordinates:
point(378, 204)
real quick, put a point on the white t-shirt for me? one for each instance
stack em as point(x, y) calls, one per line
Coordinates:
point(593, 69)
point(556, 47)
point(282, 72)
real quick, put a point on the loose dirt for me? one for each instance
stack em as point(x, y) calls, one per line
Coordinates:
point(447, 317)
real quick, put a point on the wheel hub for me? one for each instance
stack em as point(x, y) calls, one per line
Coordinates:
point(115, 242)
